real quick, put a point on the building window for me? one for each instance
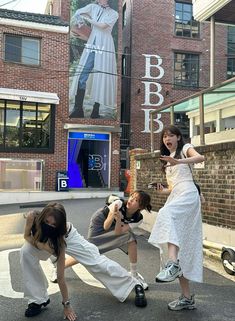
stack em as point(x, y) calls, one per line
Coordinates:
point(124, 15)
point(26, 126)
point(231, 53)
point(126, 62)
point(24, 50)
point(124, 65)
point(21, 174)
point(185, 25)
point(186, 70)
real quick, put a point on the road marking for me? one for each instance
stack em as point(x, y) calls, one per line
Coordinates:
point(6, 289)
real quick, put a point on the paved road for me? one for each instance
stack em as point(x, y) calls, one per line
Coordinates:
point(215, 298)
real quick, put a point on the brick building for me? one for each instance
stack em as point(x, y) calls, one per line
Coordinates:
point(93, 141)
point(217, 132)
point(162, 54)
point(166, 57)
point(33, 100)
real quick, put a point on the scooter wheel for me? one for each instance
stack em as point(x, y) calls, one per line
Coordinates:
point(228, 255)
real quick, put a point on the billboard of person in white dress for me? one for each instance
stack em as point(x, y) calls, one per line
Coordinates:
point(93, 67)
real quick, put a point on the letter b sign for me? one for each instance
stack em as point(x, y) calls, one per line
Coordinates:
point(62, 182)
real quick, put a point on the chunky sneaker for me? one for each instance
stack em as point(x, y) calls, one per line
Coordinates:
point(182, 303)
point(141, 280)
point(140, 299)
point(34, 308)
point(171, 271)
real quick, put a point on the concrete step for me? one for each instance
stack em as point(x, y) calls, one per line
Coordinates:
point(7, 198)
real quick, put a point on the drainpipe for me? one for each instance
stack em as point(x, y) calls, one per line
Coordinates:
point(212, 51)
point(201, 110)
point(151, 133)
point(51, 8)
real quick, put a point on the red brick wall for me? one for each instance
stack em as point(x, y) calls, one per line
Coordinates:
point(61, 8)
point(217, 181)
point(153, 33)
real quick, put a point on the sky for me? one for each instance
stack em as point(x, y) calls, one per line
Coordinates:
point(36, 6)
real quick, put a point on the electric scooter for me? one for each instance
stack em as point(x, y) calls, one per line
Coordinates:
point(228, 260)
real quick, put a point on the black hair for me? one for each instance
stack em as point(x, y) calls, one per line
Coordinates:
point(164, 150)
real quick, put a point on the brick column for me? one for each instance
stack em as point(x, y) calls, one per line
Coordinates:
point(133, 153)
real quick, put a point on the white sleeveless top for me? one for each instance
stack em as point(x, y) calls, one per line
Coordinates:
point(180, 172)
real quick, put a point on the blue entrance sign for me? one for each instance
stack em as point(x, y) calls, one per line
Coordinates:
point(88, 136)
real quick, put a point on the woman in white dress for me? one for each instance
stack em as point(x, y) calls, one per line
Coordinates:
point(95, 75)
point(178, 224)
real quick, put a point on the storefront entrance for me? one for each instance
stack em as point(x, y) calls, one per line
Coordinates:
point(88, 160)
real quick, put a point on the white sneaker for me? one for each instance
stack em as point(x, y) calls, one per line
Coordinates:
point(53, 275)
point(171, 271)
point(141, 280)
point(182, 303)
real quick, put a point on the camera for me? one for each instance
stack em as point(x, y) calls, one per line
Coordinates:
point(152, 185)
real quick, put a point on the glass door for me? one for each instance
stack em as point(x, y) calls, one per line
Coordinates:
point(88, 160)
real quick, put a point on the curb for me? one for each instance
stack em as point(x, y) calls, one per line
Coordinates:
point(7, 198)
point(211, 253)
point(213, 245)
point(212, 249)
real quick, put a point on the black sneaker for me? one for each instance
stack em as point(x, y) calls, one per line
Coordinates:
point(140, 299)
point(34, 308)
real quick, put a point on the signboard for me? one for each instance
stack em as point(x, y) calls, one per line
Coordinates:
point(93, 66)
point(89, 136)
point(62, 181)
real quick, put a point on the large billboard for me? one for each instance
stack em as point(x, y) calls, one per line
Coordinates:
point(93, 66)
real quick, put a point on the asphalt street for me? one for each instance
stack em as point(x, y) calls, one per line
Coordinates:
point(214, 298)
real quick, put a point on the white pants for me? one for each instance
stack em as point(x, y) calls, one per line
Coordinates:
point(114, 277)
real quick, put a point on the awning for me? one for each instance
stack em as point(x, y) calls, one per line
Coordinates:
point(222, 10)
point(101, 128)
point(30, 96)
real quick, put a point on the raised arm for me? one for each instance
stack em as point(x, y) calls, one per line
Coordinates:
point(28, 227)
point(111, 215)
point(120, 227)
point(100, 25)
point(109, 220)
point(86, 14)
point(193, 157)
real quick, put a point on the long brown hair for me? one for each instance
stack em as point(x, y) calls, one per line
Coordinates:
point(58, 212)
point(164, 150)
